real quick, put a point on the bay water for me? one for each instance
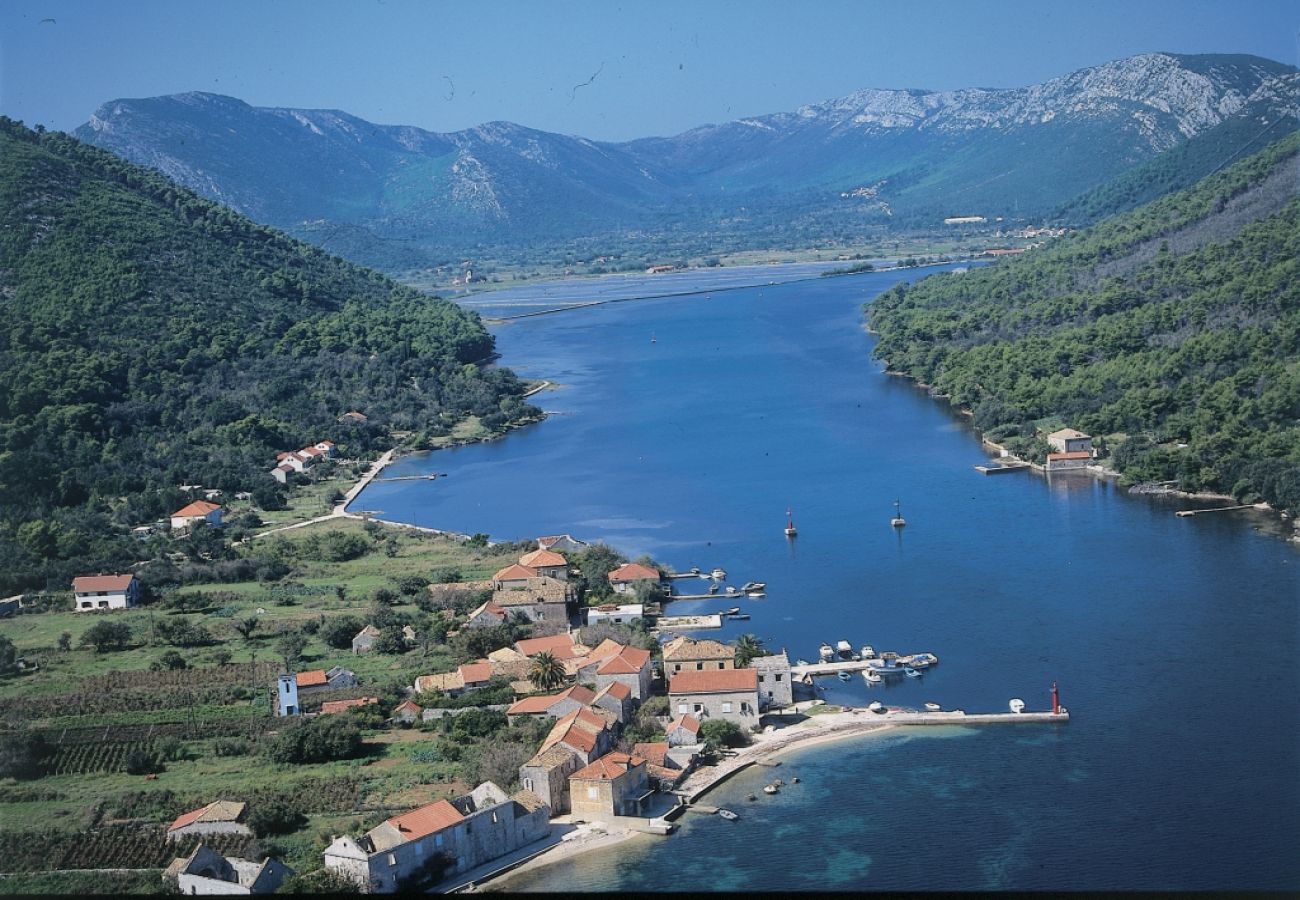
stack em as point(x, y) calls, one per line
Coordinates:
point(684, 427)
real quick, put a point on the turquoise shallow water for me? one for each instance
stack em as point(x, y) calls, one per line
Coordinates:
point(1174, 640)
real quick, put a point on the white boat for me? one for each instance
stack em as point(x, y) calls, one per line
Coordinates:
point(1017, 705)
point(871, 676)
point(826, 651)
point(731, 589)
point(755, 594)
point(876, 706)
point(868, 652)
point(718, 574)
point(897, 521)
point(801, 662)
point(844, 647)
point(770, 789)
point(842, 675)
point(753, 586)
point(728, 815)
point(933, 707)
point(910, 672)
point(923, 660)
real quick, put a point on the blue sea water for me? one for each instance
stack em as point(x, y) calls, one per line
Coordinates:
point(1174, 640)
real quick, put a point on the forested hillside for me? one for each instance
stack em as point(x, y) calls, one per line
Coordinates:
point(150, 338)
point(1173, 331)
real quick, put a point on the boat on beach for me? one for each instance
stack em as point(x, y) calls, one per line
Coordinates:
point(876, 706)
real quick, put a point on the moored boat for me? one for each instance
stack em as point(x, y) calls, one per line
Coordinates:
point(842, 675)
point(844, 647)
point(897, 521)
point(739, 617)
point(755, 594)
point(826, 651)
point(733, 611)
point(790, 530)
point(753, 586)
point(728, 814)
point(871, 676)
point(910, 672)
point(1017, 705)
point(933, 707)
point(868, 652)
point(770, 789)
point(718, 574)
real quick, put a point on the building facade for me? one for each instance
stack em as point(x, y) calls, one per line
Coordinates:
point(95, 592)
point(730, 694)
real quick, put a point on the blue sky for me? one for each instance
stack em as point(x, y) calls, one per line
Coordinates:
point(609, 71)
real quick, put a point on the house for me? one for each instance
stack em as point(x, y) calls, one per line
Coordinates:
point(774, 688)
point(561, 646)
point(551, 705)
point(10, 605)
point(683, 731)
point(589, 732)
point(193, 513)
point(282, 472)
point(1076, 459)
point(1067, 440)
point(730, 694)
point(407, 711)
point(625, 577)
point(329, 707)
point(547, 563)
point(629, 667)
point(610, 614)
point(476, 675)
point(364, 642)
point(617, 784)
point(547, 775)
point(617, 698)
point(468, 832)
point(449, 683)
point(486, 615)
point(93, 592)
point(665, 766)
point(319, 681)
point(218, 817)
point(561, 542)
point(540, 598)
point(513, 577)
point(686, 655)
point(205, 871)
point(352, 417)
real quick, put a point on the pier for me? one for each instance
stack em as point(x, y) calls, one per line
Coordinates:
point(430, 477)
point(1196, 512)
point(847, 665)
point(688, 623)
point(1002, 468)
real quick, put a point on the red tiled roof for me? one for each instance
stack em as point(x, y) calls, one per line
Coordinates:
point(472, 673)
point(655, 753)
point(90, 583)
point(309, 679)
point(608, 767)
point(337, 706)
point(426, 820)
point(689, 722)
point(539, 558)
point(408, 704)
point(534, 705)
point(634, 572)
point(1073, 454)
point(561, 646)
point(629, 661)
point(216, 811)
point(714, 681)
point(490, 608)
point(617, 689)
point(514, 572)
point(197, 508)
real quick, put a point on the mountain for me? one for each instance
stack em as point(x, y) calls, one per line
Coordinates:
point(876, 157)
point(150, 338)
point(1171, 332)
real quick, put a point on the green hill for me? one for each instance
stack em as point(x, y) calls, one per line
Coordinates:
point(150, 338)
point(1173, 330)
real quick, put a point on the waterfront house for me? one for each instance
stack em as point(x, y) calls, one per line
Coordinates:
point(774, 688)
point(617, 784)
point(624, 578)
point(561, 543)
point(686, 655)
point(193, 513)
point(1075, 459)
point(466, 832)
point(730, 694)
point(683, 731)
point(486, 615)
point(547, 563)
point(207, 872)
point(547, 773)
point(551, 705)
point(407, 711)
point(329, 707)
point(365, 639)
point(665, 765)
point(218, 817)
point(92, 592)
point(611, 614)
point(1067, 440)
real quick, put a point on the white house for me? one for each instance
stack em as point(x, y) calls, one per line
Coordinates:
point(105, 592)
point(218, 817)
point(198, 511)
point(610, 614)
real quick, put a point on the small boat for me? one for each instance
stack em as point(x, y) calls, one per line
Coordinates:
point(733, 611)
point(718, 574)
point(739, 617)
point(856, 657)
point(753, 586)
point(770, 789)
point(827, 651)
point(731, 589)
point(844, 647)
point(790, 530)
point(713, 589)
point(801, 662)
point(1017, 705)
point(933, 707)
point(755, 594)
point(876, 706)
point(728, 815)
point(751, 798)
point(919, 663)
point(652, 337)
point(842, 675)
point(871, 676)
point(794, 780)
point(897, 521)
point(695, 570)
point(868, 652)
point(910, 672)
point(928, 659)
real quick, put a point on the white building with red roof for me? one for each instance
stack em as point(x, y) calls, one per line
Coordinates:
point(199, 511)
point(218, 817)
point(625, 577)
point(92, 592)
point(468, 831)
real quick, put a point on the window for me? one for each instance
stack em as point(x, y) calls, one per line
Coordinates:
point(437, 840)
point(762, 678)
point(683, 708)
point(392, 859)
point(777, 677)
point(699, 666)
point(528, 784)
point(722, 665)
point(593, 793)
point(699, 707)
point(726, 706)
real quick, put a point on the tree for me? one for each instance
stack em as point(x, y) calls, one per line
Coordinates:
point(275, 816)
point(106, 636)
point(718, 733)
point(546, 671)
point(339, 632)
point(169, 661)
point(749, 646)
point(246, 627)
point(21, 753)
point(316, 740)
point(142, 762)
point(65, 640)
point(8, 656)
point(290, 648)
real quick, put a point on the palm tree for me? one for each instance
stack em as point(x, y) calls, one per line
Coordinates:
point(747, 647)
point(546, 672)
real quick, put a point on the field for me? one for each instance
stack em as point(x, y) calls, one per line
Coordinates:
point(206, 725)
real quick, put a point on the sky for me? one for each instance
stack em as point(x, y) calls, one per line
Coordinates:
point(603, 70)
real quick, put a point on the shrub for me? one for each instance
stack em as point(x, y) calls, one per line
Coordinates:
point(106, 636)
point(142, 762)
point(316, 740)
point(168, 661)
point(275, 817)
point(339, 632)
point(722, 733)
point(232, 746)
point(21, 753)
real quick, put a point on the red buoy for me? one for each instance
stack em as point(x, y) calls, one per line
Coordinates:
point(1056, 700)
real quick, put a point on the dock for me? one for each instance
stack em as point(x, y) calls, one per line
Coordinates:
point(717, 596)
point(688, 623)
point(960, 717)
point(1196, 512)
point(1002, 468)
point(846, 665)
point(430, 477)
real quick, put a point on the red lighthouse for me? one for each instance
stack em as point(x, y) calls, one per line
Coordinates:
point(1056, 700)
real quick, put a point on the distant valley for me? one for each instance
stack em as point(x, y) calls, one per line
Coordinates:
point(400, 197)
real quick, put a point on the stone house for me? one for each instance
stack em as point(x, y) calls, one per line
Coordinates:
point(1067, 440)
point(685, 655)
point(589, 732)
point(683, 731)
point(449, 683)
point(206, 872)
point(561, 543)
point(218, 817)
point(561, 646)
point(319, 681)
point(624, 578)
point(617, 784)
point(546, 563)
point(486, 615)
point(617, 698)
point(364, 642)
point(730, 694)
point(547, 775)
point(93, 592)
point(1077, 459)
point(551, 705)
point(512, 578)
point(467, 832)
point(774, 688)
point(629, 667)
point(540, 598)
point(665, 765)
point(193, 513)
point(407, 711)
